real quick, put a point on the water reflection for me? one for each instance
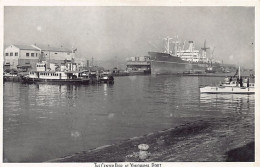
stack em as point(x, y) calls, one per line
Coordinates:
point(43, 122)
point(228, 103)
point(209, 98)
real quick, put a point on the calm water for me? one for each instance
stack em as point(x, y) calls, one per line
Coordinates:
point(43, 122)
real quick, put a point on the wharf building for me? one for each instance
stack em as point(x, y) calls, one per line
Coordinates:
point(139, 64)
point(25, 57)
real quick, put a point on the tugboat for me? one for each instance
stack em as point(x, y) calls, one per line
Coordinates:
point(231, 86)
point(67, 76)
point(106, 77)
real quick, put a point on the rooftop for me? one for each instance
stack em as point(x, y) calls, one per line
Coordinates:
point(55, 49)
point(42, 47)
point(26, 47)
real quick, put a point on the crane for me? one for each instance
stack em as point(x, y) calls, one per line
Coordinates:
point(211, 57)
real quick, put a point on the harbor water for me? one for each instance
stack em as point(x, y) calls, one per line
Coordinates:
point(44, 121)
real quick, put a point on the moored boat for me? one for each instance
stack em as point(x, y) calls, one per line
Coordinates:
point(106, 78)
point(58, 77)
point(55, 77)
point(228, 89)
point(238, 86)
point(182, 60)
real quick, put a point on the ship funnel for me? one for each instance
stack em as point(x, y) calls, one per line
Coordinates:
point(191, 45)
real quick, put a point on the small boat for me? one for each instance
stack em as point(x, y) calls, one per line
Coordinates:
point(228, 89)
point(106, 78)
point(210, 70)
point(231, 86)
point(10, 77)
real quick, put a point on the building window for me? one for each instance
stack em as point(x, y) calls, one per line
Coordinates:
point(35, 54)
point(16, 54)
point(56, 53)
point(32, 54)
point(6, 54)
point(11, 54)
point(27, 54)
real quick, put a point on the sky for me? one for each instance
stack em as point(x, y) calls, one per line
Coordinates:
point(115, 33)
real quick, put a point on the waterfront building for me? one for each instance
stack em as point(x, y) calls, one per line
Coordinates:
point(57, 55)
point(82, 63)
point(25, 57)
point(21, 57)
point(138, 64)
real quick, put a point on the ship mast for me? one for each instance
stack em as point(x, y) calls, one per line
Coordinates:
point(211, 57)
point(168, 44)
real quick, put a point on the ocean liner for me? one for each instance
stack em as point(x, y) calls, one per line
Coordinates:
point(181, 61)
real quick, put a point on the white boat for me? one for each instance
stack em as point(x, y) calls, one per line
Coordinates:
point(229, 89)
point(233, 87)
point(60, 77)
point(106, 78)
point(73, 77)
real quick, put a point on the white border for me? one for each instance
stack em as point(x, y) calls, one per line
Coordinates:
point(253, 3)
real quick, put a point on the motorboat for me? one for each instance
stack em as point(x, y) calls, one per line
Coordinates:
point(229, 89)
point(238, 86)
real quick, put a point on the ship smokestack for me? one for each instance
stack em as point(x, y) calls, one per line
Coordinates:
point(87, 63)
point(191, 46)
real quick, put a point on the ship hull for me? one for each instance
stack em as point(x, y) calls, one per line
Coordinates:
point(228, 90)
point(54, 81)
point(163, 63)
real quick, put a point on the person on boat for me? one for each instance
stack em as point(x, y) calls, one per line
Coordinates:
point(238, 81)
point(226, 79)
point(230, 79)
point(247, 82)
point(241, 82)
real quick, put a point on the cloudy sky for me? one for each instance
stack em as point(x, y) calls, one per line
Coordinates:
point(108, 32)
